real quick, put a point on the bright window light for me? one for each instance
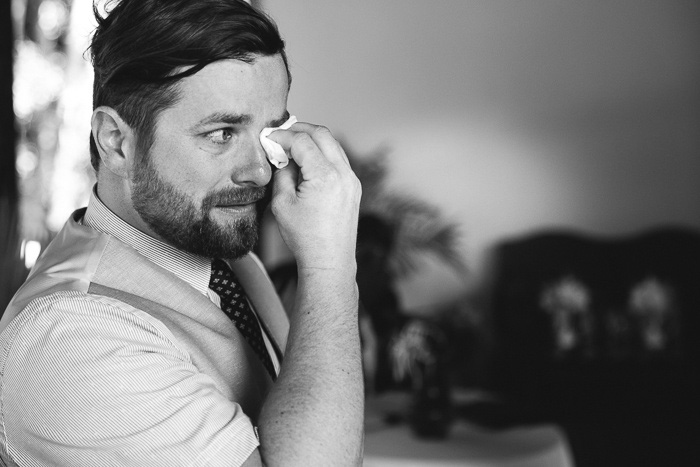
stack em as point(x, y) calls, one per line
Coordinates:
point(30, 252)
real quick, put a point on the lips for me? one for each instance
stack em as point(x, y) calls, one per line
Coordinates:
point(235, 206)
point(238, 204)
point(238, 201)
point(235, 198)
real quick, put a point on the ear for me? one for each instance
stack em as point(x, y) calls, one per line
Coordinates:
point(115, 140)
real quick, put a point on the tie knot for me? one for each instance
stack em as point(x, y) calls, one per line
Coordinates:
point(219, 269)
point(222, 279)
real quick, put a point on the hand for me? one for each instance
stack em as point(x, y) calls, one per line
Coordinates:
point(316, 198)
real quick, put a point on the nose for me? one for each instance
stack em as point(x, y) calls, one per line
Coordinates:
point(253, 168)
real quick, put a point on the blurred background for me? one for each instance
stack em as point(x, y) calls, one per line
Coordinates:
point(509, 115)
point(45, 113)
point(471, 123)
point(477, 125)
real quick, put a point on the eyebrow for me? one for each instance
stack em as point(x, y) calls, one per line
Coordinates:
point(235, 119)
point(279, 121)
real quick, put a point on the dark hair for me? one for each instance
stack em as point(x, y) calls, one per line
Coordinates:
point(142, 48)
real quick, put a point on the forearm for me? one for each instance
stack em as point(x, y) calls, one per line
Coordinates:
point(314, 413)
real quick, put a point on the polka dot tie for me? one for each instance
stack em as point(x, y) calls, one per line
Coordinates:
point(236, 307)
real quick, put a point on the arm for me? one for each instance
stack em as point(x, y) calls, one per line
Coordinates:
point(314, 413)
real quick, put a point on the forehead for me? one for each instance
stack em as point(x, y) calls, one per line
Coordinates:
point(258, 88)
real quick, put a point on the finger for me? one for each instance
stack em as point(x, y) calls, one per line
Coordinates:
point(325, 140)
point(304, 151)
point(321, 136)
point(285, 180)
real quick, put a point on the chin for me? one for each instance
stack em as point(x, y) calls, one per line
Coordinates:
point(228, 240)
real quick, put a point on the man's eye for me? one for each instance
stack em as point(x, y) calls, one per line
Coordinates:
point(221, 136)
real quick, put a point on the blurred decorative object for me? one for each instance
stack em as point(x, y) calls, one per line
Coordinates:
point(409, 348)
point(567, 293)
point(52, 102)
point(641, 382)
point(73, 177)
point(52, 18)
point(49, 96)
point(30, 252)
point(38, 80)
point(568, 301)
point(419, 352)
point(652, 304)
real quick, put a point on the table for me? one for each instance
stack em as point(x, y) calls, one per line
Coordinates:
point(467, 444)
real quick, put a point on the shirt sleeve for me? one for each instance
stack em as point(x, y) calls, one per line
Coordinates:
point(86, 383)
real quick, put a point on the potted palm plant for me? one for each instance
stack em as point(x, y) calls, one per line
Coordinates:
point(395, 232)
point(419, 227)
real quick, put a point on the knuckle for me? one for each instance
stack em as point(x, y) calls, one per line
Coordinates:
point(322, 131)
point(302, 139)
point(333, 177)
point(351, 185)
point(358, 185)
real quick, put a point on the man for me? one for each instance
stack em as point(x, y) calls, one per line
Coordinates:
point(124, 347)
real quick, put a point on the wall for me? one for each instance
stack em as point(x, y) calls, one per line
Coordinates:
point(512, 115)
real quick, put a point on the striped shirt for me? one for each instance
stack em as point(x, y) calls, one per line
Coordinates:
point(89, 380)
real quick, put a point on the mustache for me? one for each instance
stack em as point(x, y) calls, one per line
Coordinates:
point(236, 196)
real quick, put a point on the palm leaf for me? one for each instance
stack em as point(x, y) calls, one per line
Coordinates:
point(419, 227)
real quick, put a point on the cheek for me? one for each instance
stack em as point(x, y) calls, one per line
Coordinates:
point(186, 167)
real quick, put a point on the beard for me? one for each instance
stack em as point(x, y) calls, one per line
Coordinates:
point(173, 215)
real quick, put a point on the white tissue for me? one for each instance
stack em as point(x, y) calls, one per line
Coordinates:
point(275, 154)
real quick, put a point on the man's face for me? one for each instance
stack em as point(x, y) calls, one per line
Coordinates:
point(202, 185)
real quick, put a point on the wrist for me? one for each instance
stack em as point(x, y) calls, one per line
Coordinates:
point(329, 258)
point(328, 273)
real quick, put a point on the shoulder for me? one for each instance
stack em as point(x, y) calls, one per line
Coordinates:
point(55, 317)
point(74, 334)
point(83, 374)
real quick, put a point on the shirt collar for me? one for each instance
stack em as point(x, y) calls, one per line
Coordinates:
point(193, 269)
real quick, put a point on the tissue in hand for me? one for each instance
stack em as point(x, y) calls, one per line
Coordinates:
point(275, 153)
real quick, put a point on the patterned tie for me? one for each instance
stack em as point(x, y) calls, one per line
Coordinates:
point(236, 307)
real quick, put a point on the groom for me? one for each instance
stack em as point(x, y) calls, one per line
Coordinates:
point(148, 333)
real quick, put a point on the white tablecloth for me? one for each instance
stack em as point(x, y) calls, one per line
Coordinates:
point(466, 445)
